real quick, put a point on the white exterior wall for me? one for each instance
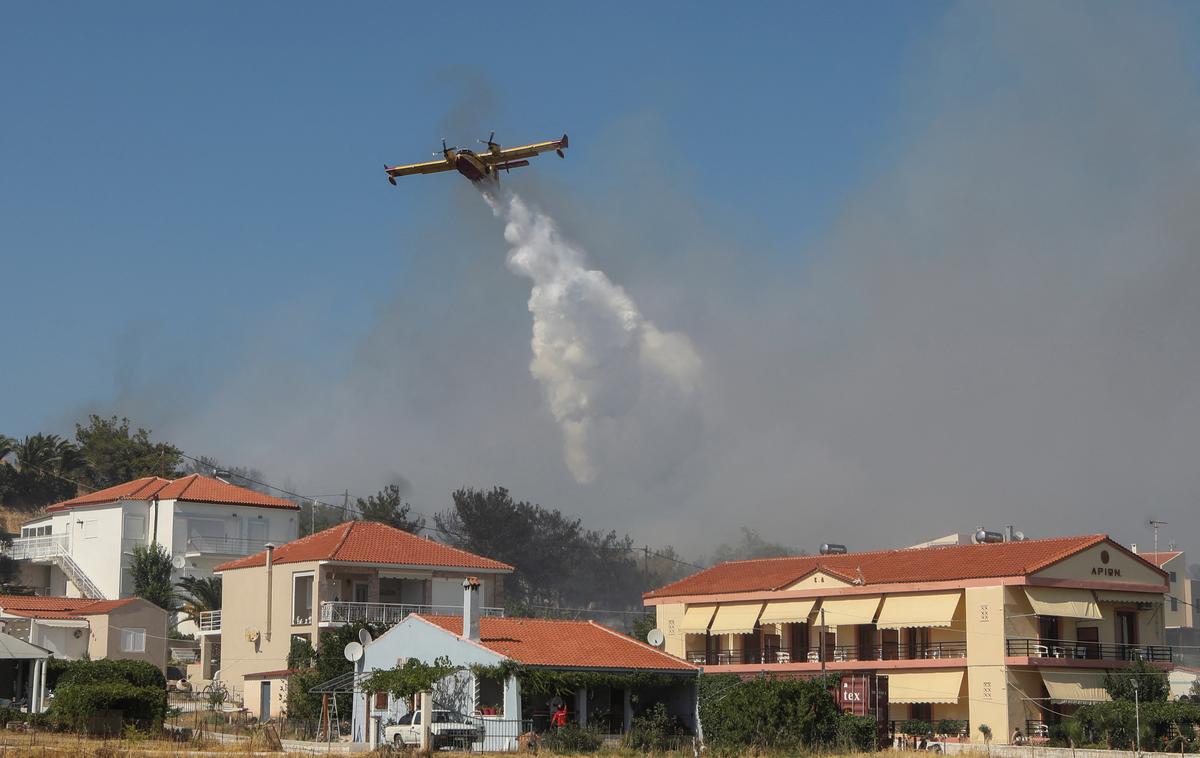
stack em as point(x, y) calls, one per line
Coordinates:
point(99, 556)
point(448, 590)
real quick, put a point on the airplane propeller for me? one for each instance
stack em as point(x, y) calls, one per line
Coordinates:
point(445, 149)
point(490, 141)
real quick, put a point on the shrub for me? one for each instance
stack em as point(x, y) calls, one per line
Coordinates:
point(857, 734)
point(786, 714)
point(949, 727)
point(137, 673)
point(75, 704)
point(916, 728)
point(654, 730)
point(572, 738)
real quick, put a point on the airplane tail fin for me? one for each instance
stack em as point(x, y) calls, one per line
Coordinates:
point(563, 142)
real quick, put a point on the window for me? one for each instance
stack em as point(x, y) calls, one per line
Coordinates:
point(1126, 628)
point(256, 530)
point(133, 640)
point(90, 529)
point(1173, 577)
point(1174, 604)
point(490, 696)
point(302, 601)
point(360, 592)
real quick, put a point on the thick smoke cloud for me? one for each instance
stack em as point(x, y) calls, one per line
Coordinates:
point(595, 355)
point(1001, 326)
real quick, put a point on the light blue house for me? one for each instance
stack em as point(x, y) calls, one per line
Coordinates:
point(501, 706)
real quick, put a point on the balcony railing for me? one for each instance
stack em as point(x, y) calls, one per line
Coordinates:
point(210, 621)
point(225, 545)
point(1094, 651)
point(839, 653)
point(39, 548)
point(339, 612)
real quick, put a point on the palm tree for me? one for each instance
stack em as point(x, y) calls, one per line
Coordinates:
point(199, 594)
point(38, 470)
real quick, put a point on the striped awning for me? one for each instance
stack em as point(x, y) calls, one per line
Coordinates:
point(929, 609)
point(736, 618)
point(787, 611)
point(1061, 601)
point(696, 619)
point(1066, 686)
point(1113, 596)
point(847, 611)
point(925, 687)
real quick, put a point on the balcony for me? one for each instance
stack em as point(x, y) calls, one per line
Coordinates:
point(339, 612)
point(837, 654)
point(235, 546)
point(210, 622)
point(39, 548)
point(1022, 647)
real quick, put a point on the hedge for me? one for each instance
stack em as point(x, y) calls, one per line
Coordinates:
point(137, 673)
point(75, 703)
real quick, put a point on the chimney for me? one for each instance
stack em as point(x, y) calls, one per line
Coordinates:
point(270, 557)
point(471, 608)
point(1133, 547)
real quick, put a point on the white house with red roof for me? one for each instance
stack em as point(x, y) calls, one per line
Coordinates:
point(81, 547)
point(503, 707)
point(356, 571)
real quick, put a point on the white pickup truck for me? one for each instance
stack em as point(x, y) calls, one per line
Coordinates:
point(446, 730)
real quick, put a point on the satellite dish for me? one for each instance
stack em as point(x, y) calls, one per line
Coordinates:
point(655, 637)
point(364, 637)
point(179, 561)
point(353, 652)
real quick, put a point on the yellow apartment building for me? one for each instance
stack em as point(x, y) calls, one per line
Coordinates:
point(1182, 604)
point(1007, 634)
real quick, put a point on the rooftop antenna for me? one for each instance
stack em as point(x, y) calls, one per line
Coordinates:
point(1154, 524)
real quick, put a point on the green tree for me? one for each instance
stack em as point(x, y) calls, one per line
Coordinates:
point(386, 507)
point(1152, 684)
point(114, 454)
point(199, 594)
point(150, 569)
point(37, 471)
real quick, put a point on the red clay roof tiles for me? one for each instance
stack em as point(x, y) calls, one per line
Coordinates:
point(369, 542)
point(41, 606)
point(932, 564)
point(192, 488)
point(566, 644)
point(1158, 559)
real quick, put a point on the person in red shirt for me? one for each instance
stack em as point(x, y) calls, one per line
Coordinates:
point(559, 718)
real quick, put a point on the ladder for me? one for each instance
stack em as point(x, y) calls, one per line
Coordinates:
point(330, 726)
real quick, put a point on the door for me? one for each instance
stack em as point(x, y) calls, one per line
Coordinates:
point(1089, 641)
point(264, 709)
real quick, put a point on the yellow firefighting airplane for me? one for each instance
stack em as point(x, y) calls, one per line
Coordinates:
point(481, 166)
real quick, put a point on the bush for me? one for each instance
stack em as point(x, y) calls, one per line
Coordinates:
point(950, 727)
point(916, 728)
point(572, 738)
point(782, 714)
point(655, 730)
point(857, 734)
point(76, 703)
point(137, 673)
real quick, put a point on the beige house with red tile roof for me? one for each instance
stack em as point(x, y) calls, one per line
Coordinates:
point(82, 547)
point(1005, 634)
point(356, 571)
point(74, 628)
point(1182, 605)
point(468, 639)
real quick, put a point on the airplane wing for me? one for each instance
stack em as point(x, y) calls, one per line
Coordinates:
point(432, 167)
point(524, 151)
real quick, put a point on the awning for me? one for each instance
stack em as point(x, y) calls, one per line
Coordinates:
point(67, 623)
point(1112, 596)
point(930, 609)
point(13, 649)
point(696, 618)
point(925, 687)
point(787, 611)
point(1059, 601)
point(846, 611)
point(736, 618)
point(1075, 686)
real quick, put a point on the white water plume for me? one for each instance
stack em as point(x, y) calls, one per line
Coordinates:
point(596, 356)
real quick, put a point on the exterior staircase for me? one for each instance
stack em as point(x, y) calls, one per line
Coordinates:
point(55, 549)
point(77, 577)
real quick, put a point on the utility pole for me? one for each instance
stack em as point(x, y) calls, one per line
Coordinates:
point(1155, 523)
point(346, 505)
point(821, 653)
point(312, 517)
point(646, 566)
point(1137, 715)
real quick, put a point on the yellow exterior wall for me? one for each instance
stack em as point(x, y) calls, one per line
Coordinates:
point(244, 606)
point(668, 618)
point(1089, 566)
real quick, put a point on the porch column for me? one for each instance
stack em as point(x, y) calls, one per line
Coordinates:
point(373, 588)
point(512, 699)
point(35, 678)
point(581, 714)
point(42, 686)
point(627, 711)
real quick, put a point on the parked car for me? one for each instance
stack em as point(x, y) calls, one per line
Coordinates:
point(446, 730)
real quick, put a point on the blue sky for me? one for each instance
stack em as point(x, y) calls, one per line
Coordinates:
point(899, 236)
point(179, 170)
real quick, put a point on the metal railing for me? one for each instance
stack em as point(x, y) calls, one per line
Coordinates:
point(39, 548)
point(1025, 647)
point(81, 580)
point(833, 653)
point(225, 545)
point(210, 621)
point(341, 612)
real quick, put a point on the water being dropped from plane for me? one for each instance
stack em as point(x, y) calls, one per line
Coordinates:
point(594, 354)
